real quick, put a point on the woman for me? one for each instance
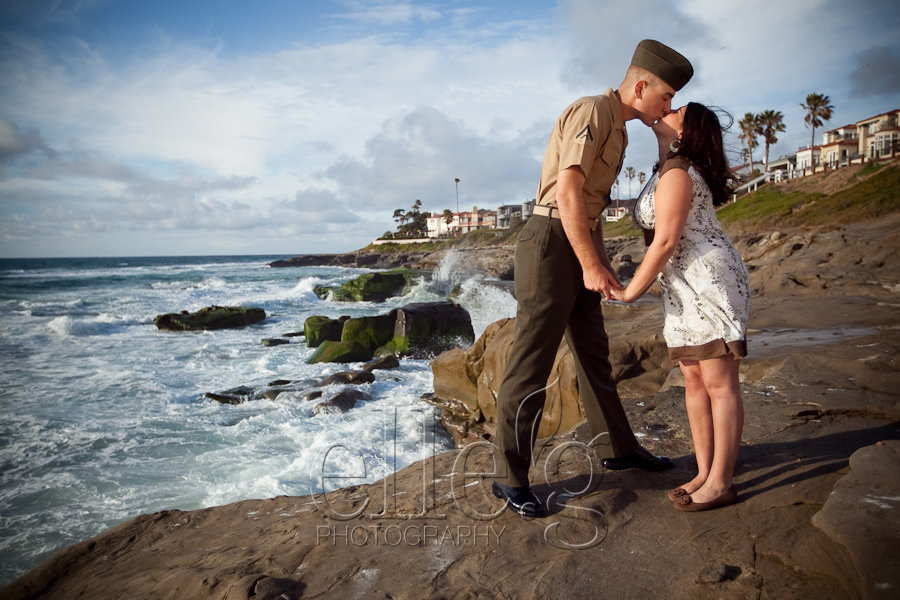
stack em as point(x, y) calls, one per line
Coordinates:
point(705, 294)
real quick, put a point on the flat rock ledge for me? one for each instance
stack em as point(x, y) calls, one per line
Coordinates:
point(433, 529)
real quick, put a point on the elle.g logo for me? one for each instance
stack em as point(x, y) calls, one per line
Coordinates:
point(416, 506)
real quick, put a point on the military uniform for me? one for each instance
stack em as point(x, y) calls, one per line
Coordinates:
point(552, 299)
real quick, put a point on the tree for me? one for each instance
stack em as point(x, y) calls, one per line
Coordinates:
point(749, 127)
point(412, 223)
point(401, 217)
point(448, 217)
point(630, 175)
point(818, 109)
point(642, 177)
point(770, 122)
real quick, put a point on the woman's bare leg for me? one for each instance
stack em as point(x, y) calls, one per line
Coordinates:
point(699, 411)
point(720, 378)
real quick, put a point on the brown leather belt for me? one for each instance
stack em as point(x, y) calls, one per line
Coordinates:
point(549, 211)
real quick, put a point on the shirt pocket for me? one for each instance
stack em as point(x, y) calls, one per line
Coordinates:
point(611, 157)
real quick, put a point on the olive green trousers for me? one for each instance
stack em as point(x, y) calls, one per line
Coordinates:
point(552, 302)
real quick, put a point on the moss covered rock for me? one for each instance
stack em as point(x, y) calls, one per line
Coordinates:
point(430, 328)
point(318, 329)
point(370, 332)
point(371, 287)
point(397, 346)
point(211, 317)
point(342, 352)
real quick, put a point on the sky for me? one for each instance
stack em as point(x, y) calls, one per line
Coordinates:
point(207, 127)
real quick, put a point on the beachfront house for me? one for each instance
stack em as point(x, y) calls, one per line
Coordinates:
point(879, 136)
point(870, 139)
point(809, 158)
point(783, 167)
point(461, 222)
point(618, 209)
point(508, 214)
point(839, 146)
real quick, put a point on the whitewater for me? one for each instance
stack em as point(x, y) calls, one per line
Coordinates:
point(105, 418)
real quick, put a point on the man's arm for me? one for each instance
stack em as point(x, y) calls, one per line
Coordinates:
point(588, 248)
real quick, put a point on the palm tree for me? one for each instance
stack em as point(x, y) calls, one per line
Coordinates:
point(750, 128)
point(630, 174)
point(642, 177)
point(770, 122)
point(818, 109)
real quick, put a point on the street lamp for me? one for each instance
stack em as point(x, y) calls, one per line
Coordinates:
point(457, 193)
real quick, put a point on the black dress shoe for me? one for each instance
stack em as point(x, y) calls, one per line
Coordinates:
point(520, 499)
point(639, 459)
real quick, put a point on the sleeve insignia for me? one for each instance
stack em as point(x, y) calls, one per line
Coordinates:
point(585, 135)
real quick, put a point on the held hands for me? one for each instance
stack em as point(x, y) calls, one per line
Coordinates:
point(622, 295)
point(601, 279)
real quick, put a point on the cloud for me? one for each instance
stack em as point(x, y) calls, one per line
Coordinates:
point(418, 156)
point(16, 143)
point(878, 73)
point(388, 13)
point(371, 105)
point(602, 36)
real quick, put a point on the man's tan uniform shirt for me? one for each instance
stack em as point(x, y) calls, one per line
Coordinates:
point(591, 134)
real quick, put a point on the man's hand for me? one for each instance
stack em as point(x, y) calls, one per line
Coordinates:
point(601, 279)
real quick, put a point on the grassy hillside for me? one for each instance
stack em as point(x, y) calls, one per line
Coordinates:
point(872, 191)
point(827, 199)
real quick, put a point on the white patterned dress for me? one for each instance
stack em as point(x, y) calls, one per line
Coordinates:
point(705, 285)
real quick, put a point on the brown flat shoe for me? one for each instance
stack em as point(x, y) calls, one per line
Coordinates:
point(674, 495)
point(687, 504)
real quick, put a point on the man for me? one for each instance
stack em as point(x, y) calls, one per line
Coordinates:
point(562, 273)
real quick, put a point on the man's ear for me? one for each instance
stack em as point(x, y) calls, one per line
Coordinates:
point(639, 86)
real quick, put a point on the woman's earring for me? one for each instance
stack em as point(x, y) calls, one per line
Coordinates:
point(675, 145)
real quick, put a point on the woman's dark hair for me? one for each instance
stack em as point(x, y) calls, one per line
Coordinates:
point(701, 143)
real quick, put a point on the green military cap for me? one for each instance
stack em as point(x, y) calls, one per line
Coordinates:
point(663, 62)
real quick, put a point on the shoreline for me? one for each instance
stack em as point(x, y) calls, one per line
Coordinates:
point(822, 431)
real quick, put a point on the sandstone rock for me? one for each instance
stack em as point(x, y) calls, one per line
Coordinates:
point(466, 382)
point(211, 317)
point(864, 505)
point(717, 573)
point(471, 378)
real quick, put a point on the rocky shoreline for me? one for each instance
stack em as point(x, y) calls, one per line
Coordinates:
point(818, 476)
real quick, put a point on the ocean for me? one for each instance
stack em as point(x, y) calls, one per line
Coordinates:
point(105, 418)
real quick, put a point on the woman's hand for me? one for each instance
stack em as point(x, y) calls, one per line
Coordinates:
point(622, 295)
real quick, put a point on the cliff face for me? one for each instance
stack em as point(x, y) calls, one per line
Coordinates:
point(818, 476)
